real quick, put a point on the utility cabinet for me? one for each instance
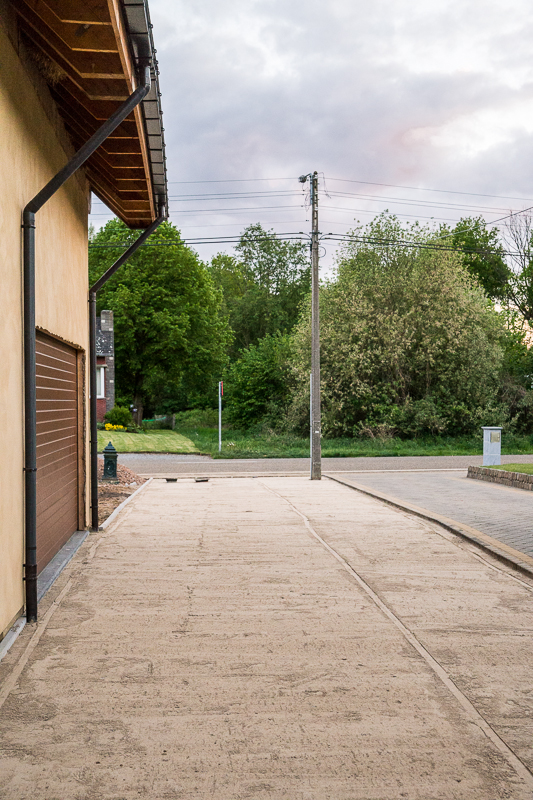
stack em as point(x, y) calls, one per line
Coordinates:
point(492, 446)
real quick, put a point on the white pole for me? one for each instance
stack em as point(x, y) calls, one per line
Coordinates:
point(219, 416)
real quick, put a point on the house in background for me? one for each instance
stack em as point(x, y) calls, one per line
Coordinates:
point(65, 69)
point(105, 364)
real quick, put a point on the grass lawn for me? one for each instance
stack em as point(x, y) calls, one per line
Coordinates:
point(245, 444)
point(527, 469)
point(197, 432)
point(148, 442)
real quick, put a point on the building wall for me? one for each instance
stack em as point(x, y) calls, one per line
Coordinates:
point(105, 352)
point(33, 147)
point(101, 402)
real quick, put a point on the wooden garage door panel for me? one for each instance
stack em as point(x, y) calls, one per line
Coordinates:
point(48, 548)
point(54, 508)
point(57, 446)
point(56, 440)
point(54, 474)
point(69, 426)
point(56, 459)
point(57, 415)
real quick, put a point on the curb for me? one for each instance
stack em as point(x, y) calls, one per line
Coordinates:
point(11, 636)
point(517, 480)
point(508, 555)
point(125, 502)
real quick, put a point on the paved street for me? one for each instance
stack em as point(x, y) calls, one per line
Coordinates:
point(272, 638)
point(175, 465)
point(502, 512)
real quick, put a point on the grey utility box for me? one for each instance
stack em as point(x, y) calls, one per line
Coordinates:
point(492, 447)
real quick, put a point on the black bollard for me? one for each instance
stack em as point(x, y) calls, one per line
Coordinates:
point(110, 462)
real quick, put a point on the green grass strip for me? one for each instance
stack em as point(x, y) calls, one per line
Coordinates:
point(526, 469)
point(146, 442)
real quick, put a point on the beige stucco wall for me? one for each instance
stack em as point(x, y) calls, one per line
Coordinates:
point(30, 154)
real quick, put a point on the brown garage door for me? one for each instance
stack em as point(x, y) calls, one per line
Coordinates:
point(57, 446)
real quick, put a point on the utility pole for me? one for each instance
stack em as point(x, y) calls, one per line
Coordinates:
point(220, 393)
point(316, 455)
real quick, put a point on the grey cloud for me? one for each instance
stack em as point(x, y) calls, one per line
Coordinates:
point(356, 89)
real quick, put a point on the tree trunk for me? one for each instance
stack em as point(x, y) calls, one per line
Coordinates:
point(138, 410)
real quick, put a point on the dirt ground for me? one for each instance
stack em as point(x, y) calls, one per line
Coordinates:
point(112, 493)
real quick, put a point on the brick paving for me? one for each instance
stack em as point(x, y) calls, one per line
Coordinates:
point(502, 512)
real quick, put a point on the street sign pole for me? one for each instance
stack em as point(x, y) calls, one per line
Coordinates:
point(220, 393)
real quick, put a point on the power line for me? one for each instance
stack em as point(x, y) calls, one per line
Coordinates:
point(366, 183)
point(229, 195)
point(494, 221)
point(422, 203)
point(363, 183)
point(367, 211)
point(290, 193)
point(443, 191)
point(287, 235)
point(218, 210)
point(401, 243)
point(237, 180)
point(302, 236)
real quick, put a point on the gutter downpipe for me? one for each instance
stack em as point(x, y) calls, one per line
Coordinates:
point(92, 357)
point(30, 383)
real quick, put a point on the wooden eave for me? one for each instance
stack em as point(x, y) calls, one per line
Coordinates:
point(89, 55)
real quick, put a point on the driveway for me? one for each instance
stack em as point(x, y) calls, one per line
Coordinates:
point(504, 513)
point(274, 639)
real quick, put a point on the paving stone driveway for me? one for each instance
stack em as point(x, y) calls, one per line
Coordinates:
point(504, 513)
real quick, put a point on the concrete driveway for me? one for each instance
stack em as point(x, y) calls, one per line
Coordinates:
point(272, 638)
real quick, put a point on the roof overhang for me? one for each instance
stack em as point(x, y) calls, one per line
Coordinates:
point(91, 53)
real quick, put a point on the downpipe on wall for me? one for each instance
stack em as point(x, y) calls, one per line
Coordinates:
point(30, 382)
point(92, 356)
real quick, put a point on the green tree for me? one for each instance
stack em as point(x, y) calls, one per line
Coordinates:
point(519, 234)
point(263, 285)
point(483, 255)
point(257, 384)
point(171, 336)
point(409, 343)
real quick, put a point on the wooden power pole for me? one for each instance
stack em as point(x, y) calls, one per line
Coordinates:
point(316, 454)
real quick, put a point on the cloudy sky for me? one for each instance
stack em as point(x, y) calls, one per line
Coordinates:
point(389, 100)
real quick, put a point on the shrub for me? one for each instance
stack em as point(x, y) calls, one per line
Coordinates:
point(257, 384)
point(157, 424)
point(410, 345)
point(119, 416)
point(198, 418)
